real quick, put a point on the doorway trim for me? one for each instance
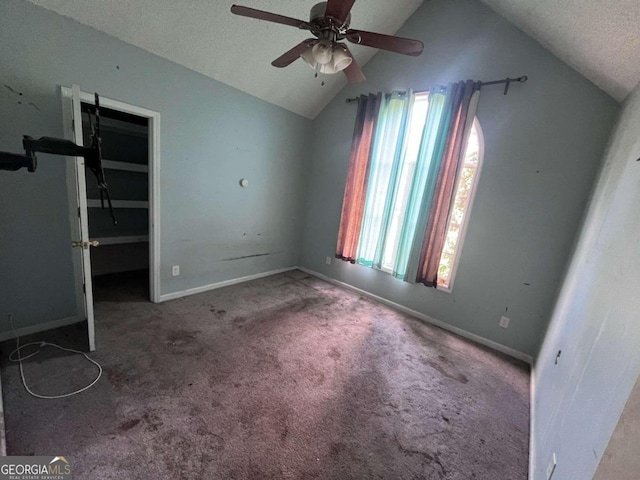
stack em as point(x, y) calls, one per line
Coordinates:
point(153, 118)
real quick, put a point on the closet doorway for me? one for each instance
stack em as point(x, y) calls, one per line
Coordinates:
point(120, 263)
point(116, 261)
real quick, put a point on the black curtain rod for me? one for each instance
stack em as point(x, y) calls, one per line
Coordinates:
point(506, 81)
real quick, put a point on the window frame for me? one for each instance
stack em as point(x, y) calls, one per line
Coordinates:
point(467, 213)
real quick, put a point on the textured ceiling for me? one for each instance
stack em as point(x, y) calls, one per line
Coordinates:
point(599, 38)
point(204, 36)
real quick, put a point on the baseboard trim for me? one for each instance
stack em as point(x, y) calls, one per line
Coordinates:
point(40, 327)
point(438, 323)
point(225, 283)
point(7, 335)
point(532, 423)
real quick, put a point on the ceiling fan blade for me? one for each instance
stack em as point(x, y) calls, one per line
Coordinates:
point(339, 9)
point(269, 17)
point(353, 72)
point(406, 46)
point(292, 55)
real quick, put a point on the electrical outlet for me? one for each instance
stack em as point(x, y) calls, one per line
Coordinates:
point(552, 466)
point(175, 270)
point(504, 321)
point(327, 260)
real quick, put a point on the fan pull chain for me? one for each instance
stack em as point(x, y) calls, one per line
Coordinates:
point(316, 74)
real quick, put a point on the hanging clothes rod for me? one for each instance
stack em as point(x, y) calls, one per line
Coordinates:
point(506, 81)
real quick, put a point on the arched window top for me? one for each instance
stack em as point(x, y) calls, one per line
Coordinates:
point(462, 202)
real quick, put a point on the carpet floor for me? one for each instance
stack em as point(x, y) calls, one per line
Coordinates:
point(286, 377)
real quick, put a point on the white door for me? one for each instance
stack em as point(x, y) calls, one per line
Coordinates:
point(77, 188)
point(80, 224)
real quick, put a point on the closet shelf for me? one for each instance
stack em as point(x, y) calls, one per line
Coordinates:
point(130, 167)
point(125, 128)
point(121, 240)
point(95, 203)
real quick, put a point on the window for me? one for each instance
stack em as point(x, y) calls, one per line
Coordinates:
point(413, 167)
point(463, 195)
point(416, 125)
point(459, 216)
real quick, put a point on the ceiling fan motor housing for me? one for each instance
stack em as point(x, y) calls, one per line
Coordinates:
point(317, 15)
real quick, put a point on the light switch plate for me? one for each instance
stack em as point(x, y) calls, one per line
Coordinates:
point(175, 270)
point(504, 321)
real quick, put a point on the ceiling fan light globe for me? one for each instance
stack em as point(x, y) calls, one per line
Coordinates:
point(340, 60)
point(327, 69)
point(308, 58)
point(322, 52)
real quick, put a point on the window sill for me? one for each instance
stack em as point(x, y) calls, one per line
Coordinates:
point(389, 271)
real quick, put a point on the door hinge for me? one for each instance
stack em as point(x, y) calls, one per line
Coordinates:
point(78, 211)
point(84, 288)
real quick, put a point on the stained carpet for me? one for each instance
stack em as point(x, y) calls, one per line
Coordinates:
point(286, 377)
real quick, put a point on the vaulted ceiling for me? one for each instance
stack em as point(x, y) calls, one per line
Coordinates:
point(205, 36)
point(599, 38)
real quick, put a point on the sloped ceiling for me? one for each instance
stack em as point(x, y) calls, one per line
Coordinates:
point(599, 38)
point(204, 36)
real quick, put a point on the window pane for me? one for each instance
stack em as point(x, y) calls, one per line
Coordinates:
point(416, 125)
point(464, 188)
point(384, 167)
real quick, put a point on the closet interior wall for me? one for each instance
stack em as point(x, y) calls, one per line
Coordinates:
point(125, 151)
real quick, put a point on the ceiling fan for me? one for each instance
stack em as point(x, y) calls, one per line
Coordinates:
point(329, 23)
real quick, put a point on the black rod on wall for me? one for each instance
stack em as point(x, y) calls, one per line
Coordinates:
point(506, 81)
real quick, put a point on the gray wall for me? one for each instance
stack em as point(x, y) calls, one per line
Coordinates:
point(211, 136)
point(543, 145)
point(595, 321)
